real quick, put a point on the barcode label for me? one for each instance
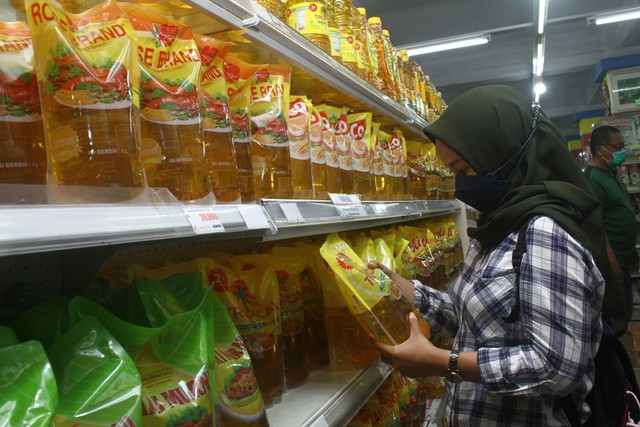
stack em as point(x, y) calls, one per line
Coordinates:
point(348, 205)
point(346, 199)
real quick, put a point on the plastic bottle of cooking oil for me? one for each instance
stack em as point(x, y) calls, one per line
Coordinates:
point(89, 111)
point(383, 73)
point(342, 10)
point(334, 31)
point(371, 63)
point(359, 42)
point(310, 20)
point(393, 64)
point(23, 158)
point(276, 7)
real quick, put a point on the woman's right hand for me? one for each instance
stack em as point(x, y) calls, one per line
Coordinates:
point(405, 286)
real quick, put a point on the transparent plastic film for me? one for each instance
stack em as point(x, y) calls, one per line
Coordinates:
point(334, 183)
point(360, 135)
point(371, 296)
point(338, 118)
point(318, 155)
point(416, 165)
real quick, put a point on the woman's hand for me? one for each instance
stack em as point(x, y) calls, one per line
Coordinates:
point(416, 357)
point(405, 286)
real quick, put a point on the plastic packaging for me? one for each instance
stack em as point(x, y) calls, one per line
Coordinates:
point(89, 100)
point(318, 155)
point(372, 297)
point(298, 132)
point(360, 135)
point(310, 20)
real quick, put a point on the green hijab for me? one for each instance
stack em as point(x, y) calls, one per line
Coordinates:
point(487, 126)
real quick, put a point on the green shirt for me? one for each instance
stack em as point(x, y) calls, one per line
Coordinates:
point(619, 217)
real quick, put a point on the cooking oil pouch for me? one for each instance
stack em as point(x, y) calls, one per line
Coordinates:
point(340, 123)
point(384, 254)
point(171, 123)
point(45, 322)
point(237, 74)
point(298, 131)
point(239, 400)
point(220, 153)
point(294, 332)
point(389, 410)
point(27, 386)
point(318, 157)
point(371, 296)
point(268, 91)
point(253, 303)
point(388, 149)
point(405, 258)
point(7, 337)
point(98, 383)
point(401, 388)
point(87, 64)
point(334, 184)
point(175, 360)
point(361, 155)
point(23, 155)
point(312, 299)
point(414, 400)
point(139, 272)
point(365, 249)
point(122, 303)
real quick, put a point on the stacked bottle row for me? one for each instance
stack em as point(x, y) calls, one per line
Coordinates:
point(163, 107)
point(362, 45)
point(247, 328)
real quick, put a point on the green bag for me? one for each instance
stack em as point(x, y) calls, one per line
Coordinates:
point(28, 393)
point(175, 360)
point(98, 383)
point(7, 337)
point(45, 322)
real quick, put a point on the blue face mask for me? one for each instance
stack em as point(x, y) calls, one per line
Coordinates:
point(484, 192)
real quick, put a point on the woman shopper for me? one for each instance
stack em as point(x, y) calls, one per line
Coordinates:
point(519, 345)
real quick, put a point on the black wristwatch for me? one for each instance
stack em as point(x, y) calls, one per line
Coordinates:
point(453, 373)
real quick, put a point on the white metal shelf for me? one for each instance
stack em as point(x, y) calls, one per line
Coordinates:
point(328, 398)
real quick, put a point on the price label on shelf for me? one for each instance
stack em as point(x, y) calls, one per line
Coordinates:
point(254, 216)
point(292, 212)
point(348, 204)
point(203, 220)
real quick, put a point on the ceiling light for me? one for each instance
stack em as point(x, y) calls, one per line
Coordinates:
point(615, 16)
point(446, 44)
point(538, 58)
point(542, 15)
point(540, 88)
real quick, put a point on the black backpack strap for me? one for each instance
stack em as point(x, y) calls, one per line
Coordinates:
point(516, 260)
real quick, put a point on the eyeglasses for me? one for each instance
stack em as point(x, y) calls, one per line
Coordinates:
point(618, 147)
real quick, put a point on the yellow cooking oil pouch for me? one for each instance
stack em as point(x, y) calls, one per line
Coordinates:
point(405, 258)
point(374, 300)
point(294, 332)
point(384, 253)
point(253, 303)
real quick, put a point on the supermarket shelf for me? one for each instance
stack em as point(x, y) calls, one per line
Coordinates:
point(327, 398)
point(267, 31)
point(29, 229)
point(299, 218)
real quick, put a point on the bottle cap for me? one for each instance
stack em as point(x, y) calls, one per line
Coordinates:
point(362, 11)
point(385, 32)
point(374, 20)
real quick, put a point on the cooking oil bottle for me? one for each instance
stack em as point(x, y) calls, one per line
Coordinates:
point(89, 111)
point(277, 8)
point(23, 159)
point(310, 20)
point(342, 10)
point(359, 42)
point(371, 52)
point(334, 31)
point(383, 72)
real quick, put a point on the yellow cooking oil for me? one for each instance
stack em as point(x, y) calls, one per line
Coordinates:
point(334, 31)
point(310, 20)
point(342, 10)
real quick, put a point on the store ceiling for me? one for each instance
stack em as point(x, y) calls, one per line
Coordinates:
point(573, 48)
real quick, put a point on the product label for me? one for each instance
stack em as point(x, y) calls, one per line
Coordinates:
point(19, 97)
point(360, 134)
point(308, 18)
point(334, 39)
point(87, 63)
point(347, 48)
point(329, 141)
point(214, 102)
point(268, 93)
point(298, 130)
point(315, 138)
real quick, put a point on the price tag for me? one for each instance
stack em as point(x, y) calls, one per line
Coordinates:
point(203, 220)
point(348, 204)
point(383, 369)
point(292, 212)
point(254, 216)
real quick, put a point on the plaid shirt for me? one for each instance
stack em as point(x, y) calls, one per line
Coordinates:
point(546, 353)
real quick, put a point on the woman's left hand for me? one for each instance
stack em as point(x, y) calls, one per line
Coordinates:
point(416, 357)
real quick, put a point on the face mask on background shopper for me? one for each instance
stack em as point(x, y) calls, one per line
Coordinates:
point(618, 157)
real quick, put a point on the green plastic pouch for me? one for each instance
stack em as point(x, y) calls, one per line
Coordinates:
point(27, 386)
point(97, 380)
point(175, 360)
point(44, 322)
point(7, 337)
